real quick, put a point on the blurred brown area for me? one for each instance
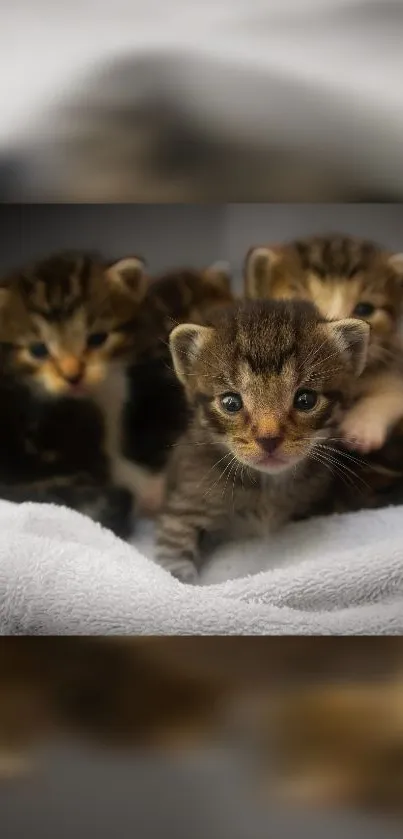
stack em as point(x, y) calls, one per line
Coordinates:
point(324, 716)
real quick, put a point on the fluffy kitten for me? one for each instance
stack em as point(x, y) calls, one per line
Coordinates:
point(266, 381)
point(66, 332)
point(73, 326)
point(346, 277)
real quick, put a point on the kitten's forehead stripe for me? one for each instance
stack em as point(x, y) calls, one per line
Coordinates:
point(58, 286)
point(336, 255)
point(256, 329)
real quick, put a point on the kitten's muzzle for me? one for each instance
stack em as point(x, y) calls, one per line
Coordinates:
point(269, 444)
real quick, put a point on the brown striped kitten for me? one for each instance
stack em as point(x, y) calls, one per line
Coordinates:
point(66, 337)
point(85, 365)
point(266, 381)
point(346, 277)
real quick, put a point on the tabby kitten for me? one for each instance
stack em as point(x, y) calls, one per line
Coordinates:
point(65, 338)
point(72, 326)
point(346, 277)
point(266, 381)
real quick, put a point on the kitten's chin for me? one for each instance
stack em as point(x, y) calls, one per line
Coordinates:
point(271, 464)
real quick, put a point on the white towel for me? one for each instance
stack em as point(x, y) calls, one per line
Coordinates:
point(62, 574)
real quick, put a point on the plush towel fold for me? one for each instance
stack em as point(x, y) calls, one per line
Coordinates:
point(62, 574)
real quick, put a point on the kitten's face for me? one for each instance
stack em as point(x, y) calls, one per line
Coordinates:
point(63, 322)
point(344, 277)
point(267, 378)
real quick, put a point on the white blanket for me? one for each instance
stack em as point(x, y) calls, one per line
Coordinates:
point(62, 574)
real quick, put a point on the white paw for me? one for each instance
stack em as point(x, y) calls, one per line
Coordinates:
point(362, 432)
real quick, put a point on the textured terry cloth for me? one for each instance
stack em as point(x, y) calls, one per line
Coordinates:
point(62, 574)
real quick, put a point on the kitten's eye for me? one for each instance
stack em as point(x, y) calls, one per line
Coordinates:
point(364, 310)
point(39, 350)
point(96, 340)
point(231, 402)
point(305, 400)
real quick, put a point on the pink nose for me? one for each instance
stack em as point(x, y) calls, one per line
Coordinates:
point(269, 444)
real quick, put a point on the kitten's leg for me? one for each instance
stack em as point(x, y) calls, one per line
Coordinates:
point(367, 425)
point(179, 528)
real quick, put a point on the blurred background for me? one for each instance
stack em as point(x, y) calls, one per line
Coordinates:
point(178, 100)
point(201, 737)
point(172, 236)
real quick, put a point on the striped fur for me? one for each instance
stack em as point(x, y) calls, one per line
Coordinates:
point(222, 480)
point(346, 277)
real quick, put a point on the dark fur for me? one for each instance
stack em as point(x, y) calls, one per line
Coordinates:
point(158, 413)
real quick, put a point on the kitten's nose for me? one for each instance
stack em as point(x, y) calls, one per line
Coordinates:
point(74, 379)
point(269, 444)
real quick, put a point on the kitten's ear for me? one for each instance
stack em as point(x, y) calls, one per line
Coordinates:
point(258, 272)
point(185, 343)
point(129, 274)
point(352, 337)
point(218, 276)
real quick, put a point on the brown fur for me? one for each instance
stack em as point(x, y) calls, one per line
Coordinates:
point(338, 274)
point(266, 463)
point(60, 304)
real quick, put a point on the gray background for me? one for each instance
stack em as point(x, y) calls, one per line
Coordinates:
point(78, 793)
point(172, 235)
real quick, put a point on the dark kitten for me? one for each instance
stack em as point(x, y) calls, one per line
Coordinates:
point(65, 338)
point(157, 412)
point(267, 381)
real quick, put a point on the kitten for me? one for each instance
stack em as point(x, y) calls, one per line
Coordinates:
point(65, 338)
point(266, 381)
point(346, 277)
point(156, 412)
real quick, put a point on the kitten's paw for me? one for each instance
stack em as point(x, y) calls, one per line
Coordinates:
point(151, 495)
point(362, 432)
point(182, 569)
point(147, 488)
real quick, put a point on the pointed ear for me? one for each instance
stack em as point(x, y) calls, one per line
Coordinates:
point(258, 272)
point(218, 276)
point(352, 338)
point(185, 343)
point(129, 275)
